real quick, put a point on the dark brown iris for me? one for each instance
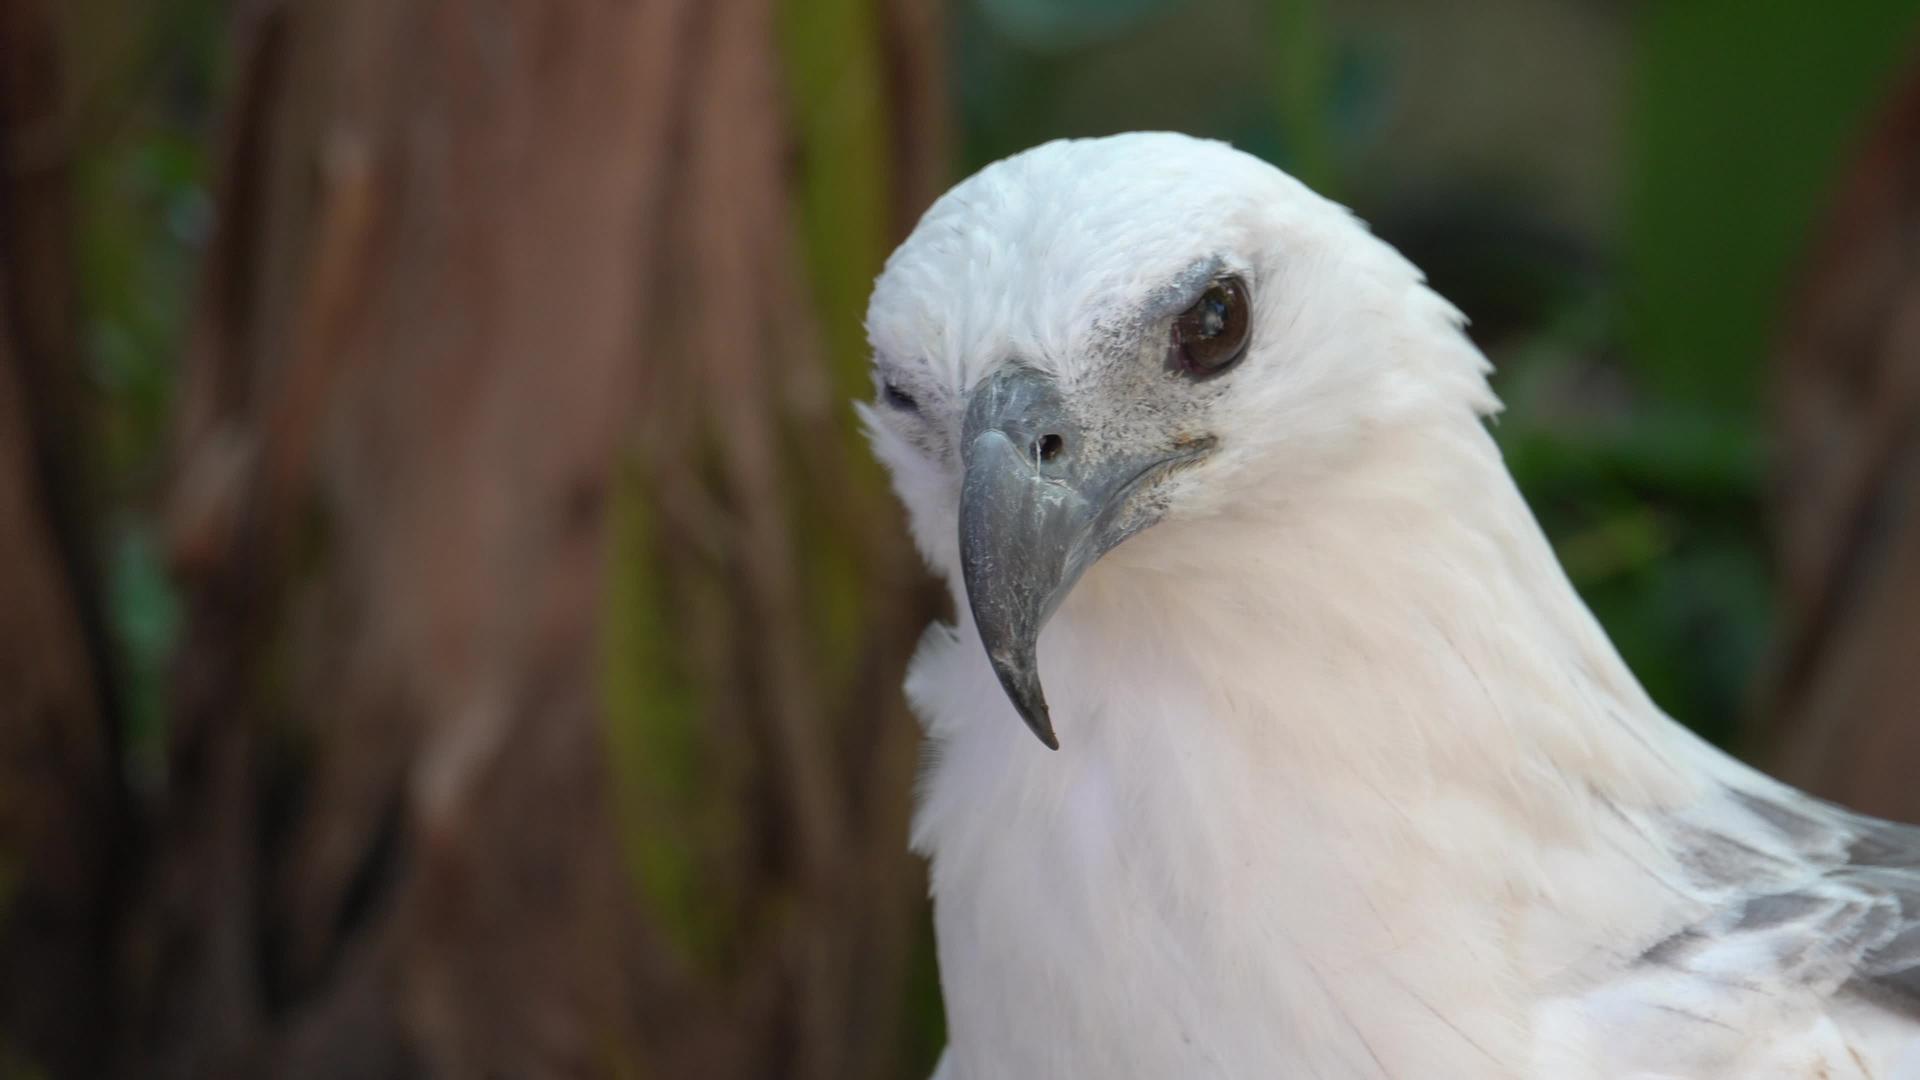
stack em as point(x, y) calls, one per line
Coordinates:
point(1211, 336)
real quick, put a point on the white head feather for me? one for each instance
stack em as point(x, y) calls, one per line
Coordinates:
point(1038, 255)
point(1352, 456)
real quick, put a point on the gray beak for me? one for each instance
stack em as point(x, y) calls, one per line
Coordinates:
point(1044, 497)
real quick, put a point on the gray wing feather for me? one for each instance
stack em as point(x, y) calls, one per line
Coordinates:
point(1831, 897)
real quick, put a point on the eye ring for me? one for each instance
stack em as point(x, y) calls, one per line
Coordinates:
point(1211, 336)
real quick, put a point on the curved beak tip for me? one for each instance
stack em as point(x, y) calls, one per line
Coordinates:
point(1020, 677)
point(1042, 726)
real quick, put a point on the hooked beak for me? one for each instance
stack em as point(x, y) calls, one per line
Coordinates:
point(1044, 497)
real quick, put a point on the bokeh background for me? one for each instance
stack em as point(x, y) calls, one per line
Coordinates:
point(450, 625)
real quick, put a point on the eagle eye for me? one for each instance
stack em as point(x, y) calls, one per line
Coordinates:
point(1211, 336)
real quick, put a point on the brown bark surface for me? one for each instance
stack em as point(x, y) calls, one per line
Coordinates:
point(503, 372)
point(56, 795)
point(1846, 720)
point(57, 790)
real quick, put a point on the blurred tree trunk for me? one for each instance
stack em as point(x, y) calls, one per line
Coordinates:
point(58, 793)
point(539, 711)
point(1846, 710)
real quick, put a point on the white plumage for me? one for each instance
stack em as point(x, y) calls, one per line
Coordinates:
point(1351, 783)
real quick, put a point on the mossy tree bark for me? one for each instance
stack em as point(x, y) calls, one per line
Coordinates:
point(538, 712)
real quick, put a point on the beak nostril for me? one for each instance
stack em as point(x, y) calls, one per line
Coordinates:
point(1048, 447)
